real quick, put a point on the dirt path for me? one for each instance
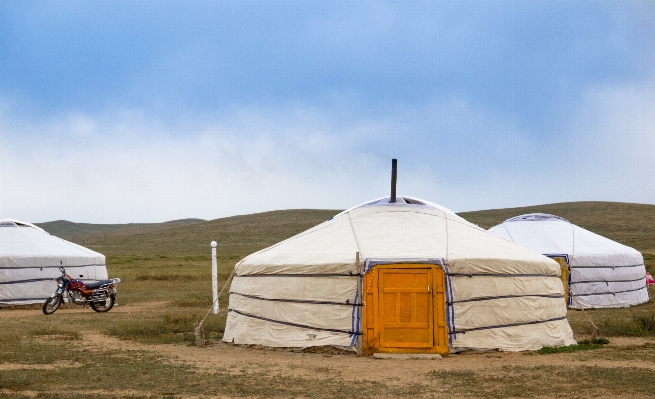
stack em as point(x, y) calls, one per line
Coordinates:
point(327, 367)
point(236, 359)
point(21, 366)
point(35, 310)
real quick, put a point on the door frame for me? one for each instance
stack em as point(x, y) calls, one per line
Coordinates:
point(371, 311)
point(567, 288)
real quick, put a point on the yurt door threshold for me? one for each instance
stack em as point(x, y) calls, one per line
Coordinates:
point(404, 310)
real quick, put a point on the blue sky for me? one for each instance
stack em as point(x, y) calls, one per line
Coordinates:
point(149, 111)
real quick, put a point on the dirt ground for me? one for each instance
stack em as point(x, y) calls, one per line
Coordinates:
point(351, 367)
point(346, 367)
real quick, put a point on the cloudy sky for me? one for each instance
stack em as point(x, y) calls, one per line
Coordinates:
point(115, 112)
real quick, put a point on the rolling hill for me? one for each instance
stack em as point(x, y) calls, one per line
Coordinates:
point(630, 224)
point(74, 231)
point(235, 235)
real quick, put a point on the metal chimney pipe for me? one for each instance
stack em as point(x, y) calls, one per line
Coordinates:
point(394, 174)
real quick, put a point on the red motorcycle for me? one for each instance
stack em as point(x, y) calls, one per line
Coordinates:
point(100, 295)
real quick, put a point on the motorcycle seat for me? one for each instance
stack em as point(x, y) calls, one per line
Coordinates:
point(96, 284)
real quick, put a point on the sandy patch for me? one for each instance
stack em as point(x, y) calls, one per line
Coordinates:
point(236, 360)
point(13, 312)
point(20, 366)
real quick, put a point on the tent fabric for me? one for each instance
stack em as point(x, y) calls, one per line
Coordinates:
point(29, 261)
point(649, 279)
point(603, 272)
point(306, 290)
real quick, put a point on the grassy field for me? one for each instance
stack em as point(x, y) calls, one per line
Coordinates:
point(144, 347)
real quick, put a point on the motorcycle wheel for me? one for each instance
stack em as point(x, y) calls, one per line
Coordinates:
point(103, 306)
point(51, 304)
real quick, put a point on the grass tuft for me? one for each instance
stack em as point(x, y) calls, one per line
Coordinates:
point(446, 374)
point(587, 344)
point(646, 321)
point(162, 330)
point(597, 341)
point(199, 301)
point(544, 381)
point(636, 321)
point(639, 324)
point(170, 328)
point(169, 277)
point(66, 334)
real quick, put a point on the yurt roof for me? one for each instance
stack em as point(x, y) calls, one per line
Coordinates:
point(402, 201)
point(17, 223)
point(21, 243)
point(553, 235)
point(408, 230)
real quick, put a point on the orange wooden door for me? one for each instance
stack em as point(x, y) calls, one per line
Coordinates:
point(564, 276)
point(405, 308)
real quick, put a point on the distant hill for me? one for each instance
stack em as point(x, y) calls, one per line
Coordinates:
point(237, 236)
point(72, 231)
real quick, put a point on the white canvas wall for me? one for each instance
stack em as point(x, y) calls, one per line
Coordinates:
point(603, 272)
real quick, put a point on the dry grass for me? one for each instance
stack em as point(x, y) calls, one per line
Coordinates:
point(133, 370)
point(165, 274)
point(137, 371)
point(636, 321)
point(539, 381)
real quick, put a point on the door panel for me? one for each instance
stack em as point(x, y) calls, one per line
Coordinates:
point(406, 311)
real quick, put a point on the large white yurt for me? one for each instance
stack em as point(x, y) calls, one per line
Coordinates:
point(403, 277)
point(598, 272)
point(29, 261)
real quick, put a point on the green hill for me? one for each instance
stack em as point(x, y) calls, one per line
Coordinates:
point(73, 231)
point(237, 236)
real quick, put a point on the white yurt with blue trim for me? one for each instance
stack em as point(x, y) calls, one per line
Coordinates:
point(407, 276)
point(602, 273)
point(30, 259)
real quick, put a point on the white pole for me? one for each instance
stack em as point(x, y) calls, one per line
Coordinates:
point(214, 279)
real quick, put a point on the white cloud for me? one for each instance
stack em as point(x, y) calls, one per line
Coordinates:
point(612, 150)
point(88, 170)
point(125, 167)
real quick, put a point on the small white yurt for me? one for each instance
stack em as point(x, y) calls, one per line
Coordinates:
point(29, 261)
point(399, 277)
point(598, 272)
